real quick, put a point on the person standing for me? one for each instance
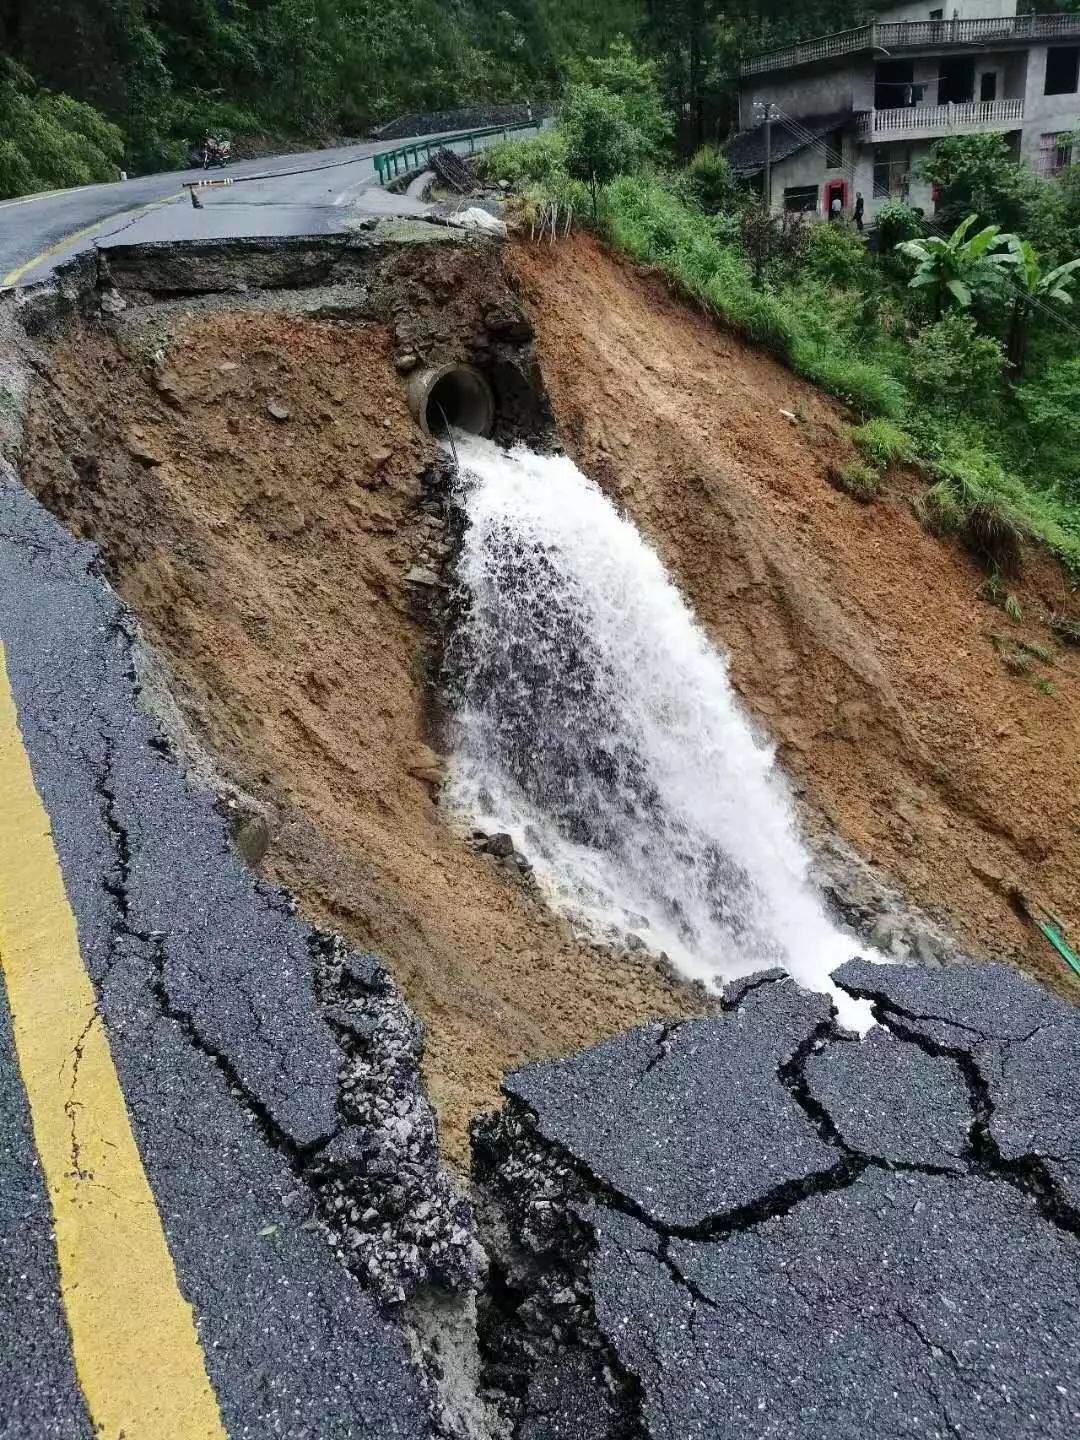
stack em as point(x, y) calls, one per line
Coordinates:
point(859, 207)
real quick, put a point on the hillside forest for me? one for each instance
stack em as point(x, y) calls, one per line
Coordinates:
point(88, 87)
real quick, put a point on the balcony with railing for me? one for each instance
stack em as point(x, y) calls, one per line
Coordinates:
point(915, 35)
point(930, 122)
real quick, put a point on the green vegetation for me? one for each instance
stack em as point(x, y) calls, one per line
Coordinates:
point(49, 141)
point(955, 268)
point(955, 350)
point(859, 480)
point(166, 71)
point(883, 442)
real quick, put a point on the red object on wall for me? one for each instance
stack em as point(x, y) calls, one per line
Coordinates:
point(836, 187)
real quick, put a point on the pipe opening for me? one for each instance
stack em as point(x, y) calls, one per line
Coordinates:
point(457, 392)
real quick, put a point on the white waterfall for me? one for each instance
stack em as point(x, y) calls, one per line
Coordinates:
point(597, 725)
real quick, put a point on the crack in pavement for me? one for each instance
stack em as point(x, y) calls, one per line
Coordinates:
point(1026, 1173)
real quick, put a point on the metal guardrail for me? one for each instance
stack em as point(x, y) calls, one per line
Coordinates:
point(914, 34)
point(406, 158)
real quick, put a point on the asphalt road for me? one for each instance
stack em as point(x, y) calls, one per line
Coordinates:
point(306, 194)
point(784, 1232)
point(204, 980)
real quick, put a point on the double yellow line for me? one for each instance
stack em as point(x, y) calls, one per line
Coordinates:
point(137, 1353)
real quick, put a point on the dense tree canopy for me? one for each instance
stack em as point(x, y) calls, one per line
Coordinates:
point(165, 70)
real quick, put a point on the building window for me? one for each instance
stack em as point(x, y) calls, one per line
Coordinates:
point(892, 169)
point(1055, 152)
point(988, 86)
point(1062, 66)
point(834, 150)
point(937, 14)
point(956, 81)
point(894, 86)
point(801, 199)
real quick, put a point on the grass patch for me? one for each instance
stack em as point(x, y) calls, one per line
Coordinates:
point(884, 442)
point(1040, 652)
point(1018, 663)
point(993, 514)
point(1067, 631)
point(857, 479)
point(648, 221)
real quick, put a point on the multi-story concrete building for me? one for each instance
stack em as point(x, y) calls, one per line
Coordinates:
point(854, 112)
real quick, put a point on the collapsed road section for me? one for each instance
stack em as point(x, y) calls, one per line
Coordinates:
point(229, 572)
point(759, 1226)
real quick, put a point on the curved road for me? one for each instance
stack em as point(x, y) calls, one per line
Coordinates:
point(309, 193)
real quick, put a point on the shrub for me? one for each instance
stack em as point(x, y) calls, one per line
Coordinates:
point(836, 253)
point(954, 367)
point(600, 141)
point(773, 242)
point(624, 73)
point(1050, 406)
point(711, 181)
point(884, 442)
point(541, 161)
point(51, 141)
point(895, 223)
point(978, 174)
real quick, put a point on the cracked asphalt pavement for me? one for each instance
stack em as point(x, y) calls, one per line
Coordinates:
point(758, 1225)
point(314, 193)
point(205, 981)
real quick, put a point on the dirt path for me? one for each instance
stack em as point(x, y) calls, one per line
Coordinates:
point(858, 640)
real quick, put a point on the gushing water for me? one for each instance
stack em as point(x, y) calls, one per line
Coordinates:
point(597, 726)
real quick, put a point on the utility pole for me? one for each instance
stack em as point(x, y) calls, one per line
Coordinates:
point(764, 110)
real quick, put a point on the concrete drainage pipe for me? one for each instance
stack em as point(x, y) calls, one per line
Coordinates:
point(457, 391)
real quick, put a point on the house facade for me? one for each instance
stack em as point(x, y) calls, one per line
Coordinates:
point(854, 112)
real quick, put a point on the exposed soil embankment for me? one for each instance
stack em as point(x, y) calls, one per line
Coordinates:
point(254, 481)
point(858, 640)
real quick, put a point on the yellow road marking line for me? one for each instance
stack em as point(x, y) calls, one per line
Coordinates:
point(14, 276)
point(137, 1354)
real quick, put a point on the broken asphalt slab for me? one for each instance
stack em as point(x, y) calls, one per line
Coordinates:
point(845, 1253)
point(229, 1067)
point(1018, 1045)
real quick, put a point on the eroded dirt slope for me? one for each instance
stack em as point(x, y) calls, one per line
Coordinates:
point(257, 496)
point(858, 640)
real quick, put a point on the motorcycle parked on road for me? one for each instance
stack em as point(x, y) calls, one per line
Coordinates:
point(214, 150)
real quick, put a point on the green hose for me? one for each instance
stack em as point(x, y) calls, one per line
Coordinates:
point(1058, 941)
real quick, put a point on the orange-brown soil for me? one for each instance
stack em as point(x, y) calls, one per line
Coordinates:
point(857, 639)
point(265, 558)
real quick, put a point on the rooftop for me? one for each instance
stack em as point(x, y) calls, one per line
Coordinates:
point(915, 35)
point(746, 152)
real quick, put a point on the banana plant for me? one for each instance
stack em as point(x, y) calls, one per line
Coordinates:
point(1033, 287)
point(955, 268)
